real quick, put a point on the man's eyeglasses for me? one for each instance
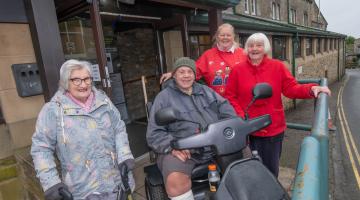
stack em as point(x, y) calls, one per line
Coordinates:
point(78, 81)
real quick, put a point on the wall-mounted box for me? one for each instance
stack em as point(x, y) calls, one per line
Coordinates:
point(27, 79)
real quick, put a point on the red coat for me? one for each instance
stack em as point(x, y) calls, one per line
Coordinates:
point(215, 66)
point(244, 77)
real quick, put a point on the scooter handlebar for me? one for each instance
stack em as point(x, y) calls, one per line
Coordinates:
point(226, 136)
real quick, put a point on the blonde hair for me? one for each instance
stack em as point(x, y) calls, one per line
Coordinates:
point(225, 25)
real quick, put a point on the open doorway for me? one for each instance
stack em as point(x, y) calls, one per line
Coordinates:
point(132, 53)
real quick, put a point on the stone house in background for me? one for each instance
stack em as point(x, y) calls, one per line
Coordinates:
point(357, 51)
point(134, 42)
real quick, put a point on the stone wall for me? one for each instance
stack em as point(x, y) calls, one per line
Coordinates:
point(19, 113)
point(138, 55)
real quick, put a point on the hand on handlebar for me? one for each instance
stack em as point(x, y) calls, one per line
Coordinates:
point(317, 89)
point(182, 155)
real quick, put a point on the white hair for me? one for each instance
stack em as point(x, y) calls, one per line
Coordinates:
point(68, 67)
point(258, 37)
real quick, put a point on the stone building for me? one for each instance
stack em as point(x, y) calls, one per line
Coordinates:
point(356, 52)
point(134, 42)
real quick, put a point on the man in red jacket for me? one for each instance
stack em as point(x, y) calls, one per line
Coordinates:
point(256, 69)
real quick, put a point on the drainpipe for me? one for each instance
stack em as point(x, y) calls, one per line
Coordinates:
point(288, 10)
point(295, 41)
point(344, 56)
point(338, 60)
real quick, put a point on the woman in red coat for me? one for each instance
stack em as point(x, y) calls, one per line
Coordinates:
point(260, 68)
point(215, 64)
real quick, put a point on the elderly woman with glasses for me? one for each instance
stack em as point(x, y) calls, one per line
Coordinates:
point(259, 67)
point(84, 129)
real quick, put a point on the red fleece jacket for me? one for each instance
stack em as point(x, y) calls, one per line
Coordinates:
point(215, 66)
point(245, 76)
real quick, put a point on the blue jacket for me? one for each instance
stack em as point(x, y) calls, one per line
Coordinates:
point(89, 145)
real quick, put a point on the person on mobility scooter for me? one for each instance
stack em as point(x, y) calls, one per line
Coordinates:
point(243, 179)
point(200, 106)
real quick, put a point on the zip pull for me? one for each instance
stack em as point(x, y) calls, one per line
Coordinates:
point(87, 164)
point(113, 157)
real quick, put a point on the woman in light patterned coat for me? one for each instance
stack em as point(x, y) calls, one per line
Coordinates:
point(82, 126)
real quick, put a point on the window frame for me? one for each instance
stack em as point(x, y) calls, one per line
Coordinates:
point(306, 19)
point(253, 7)
point(326, 45)
point(273, 10)
point(331, 44)
point(336, 44)
point(246, 6)
point(308, 46)
point(293, 16)
point(198, 44)
point(298, 50)
point(242, 39)
point(318, 46)
point(281, 39)
point(2, 119)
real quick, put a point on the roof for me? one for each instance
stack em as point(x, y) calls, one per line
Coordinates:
point(216, 3)
point(254, 24)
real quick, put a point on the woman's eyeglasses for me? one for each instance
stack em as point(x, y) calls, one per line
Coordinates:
point(78, 81)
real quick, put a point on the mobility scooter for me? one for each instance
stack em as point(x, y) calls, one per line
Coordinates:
point(245, 178)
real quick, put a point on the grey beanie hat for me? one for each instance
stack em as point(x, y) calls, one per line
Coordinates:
point(184, 61)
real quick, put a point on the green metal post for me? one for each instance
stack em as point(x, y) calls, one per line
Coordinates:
point(311, 181)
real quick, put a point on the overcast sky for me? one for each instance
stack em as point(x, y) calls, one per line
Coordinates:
point(343, 16)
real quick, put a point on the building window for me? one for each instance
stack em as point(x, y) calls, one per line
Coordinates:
point(199, 44)
point(77, 41)
point(246, 6)
point(253, 7)
point(318, 45)
point(279, 47)
point(292, 16)
point(306, 19)
point(326, 45)
point(335, 44)
point(242, 40)
point(331, 44)
point(275, 11)
point(308, 46)
point(297, 48)
point(2, 120)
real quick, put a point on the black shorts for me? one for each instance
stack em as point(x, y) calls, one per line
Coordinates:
point(168, 163)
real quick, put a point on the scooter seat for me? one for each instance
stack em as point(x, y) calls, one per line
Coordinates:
point(250, 179)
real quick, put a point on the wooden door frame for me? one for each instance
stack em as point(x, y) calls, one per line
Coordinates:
point(178, 20)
